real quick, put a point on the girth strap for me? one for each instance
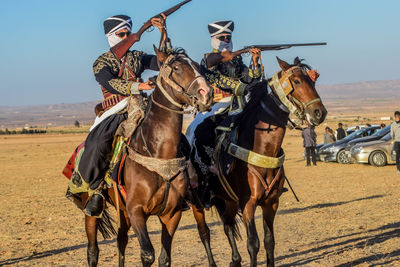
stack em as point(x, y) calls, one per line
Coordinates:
point(254, 158)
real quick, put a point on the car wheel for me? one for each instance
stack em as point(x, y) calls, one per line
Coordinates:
point(378, 159)
point(342, 157)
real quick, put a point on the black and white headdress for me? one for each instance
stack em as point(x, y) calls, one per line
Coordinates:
point(114, 24)
point(117, 23)
point(222, 26)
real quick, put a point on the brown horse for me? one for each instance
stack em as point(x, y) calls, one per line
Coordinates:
point(257, 178)
point(154, 177)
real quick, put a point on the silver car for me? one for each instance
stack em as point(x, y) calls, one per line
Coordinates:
point(377, 153)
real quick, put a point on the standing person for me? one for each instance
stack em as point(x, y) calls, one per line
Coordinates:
point(329, 137)
point(310, 142)
point(340, 132)
point(395, 133)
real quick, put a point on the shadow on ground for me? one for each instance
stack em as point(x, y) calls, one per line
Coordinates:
point(348, 242)
point(323, 250)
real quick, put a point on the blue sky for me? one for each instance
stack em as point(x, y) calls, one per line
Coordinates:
point(48, 46)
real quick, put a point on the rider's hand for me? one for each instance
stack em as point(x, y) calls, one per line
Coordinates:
point(146, 86)
point(256, 53)
point(159, 22)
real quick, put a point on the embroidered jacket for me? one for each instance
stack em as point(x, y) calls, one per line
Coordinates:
point(119, 79)
point(230, 78)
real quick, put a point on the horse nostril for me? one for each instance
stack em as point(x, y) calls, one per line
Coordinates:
point(318, 113)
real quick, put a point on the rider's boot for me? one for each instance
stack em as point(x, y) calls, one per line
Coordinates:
point(95, 205)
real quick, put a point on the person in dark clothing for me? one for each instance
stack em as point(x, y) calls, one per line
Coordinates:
point(395, 133)
point(231, 80)
point(340, 132)
point(309, 143)
point(119, 79)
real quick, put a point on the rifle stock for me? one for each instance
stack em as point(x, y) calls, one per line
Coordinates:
point(120, 49)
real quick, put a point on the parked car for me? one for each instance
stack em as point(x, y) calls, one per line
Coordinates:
point(376, 136)
point(352, 129)
point(336, 151)
point(377, 153)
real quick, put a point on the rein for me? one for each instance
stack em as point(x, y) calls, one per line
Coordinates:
point(170, 109)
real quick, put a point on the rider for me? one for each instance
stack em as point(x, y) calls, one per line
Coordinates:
point(231, 79)
point(118, 80)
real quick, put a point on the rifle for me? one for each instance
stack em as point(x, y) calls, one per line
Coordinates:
point(120, 49)
point(226, 55)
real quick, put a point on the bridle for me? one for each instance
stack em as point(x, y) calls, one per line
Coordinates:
point(283, 88)
point(165, 74)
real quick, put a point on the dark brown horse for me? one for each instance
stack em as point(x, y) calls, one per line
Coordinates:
point(154, 177)
point(257, 178)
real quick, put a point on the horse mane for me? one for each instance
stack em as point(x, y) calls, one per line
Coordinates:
point(299, 62)
point(177, 51)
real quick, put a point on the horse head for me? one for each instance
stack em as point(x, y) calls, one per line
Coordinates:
point(295, 87)
point(181, 82)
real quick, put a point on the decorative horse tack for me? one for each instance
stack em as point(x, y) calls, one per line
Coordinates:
point(165, 74)
point(254, 158)
point(166, 168)
point(283, 88)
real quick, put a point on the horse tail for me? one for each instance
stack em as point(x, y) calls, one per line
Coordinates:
point(219, 205)
point(106, 225)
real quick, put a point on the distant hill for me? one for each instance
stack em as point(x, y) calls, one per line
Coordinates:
point(341, 98)
point(47, 115)
point(362, 96)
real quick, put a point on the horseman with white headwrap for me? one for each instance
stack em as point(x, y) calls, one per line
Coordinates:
point(231, 79)
point(120, 82)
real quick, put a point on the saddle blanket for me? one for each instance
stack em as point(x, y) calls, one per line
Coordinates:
point(200, 117)
point(77, 184)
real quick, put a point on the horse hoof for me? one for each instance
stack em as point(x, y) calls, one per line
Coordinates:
point(235, 264)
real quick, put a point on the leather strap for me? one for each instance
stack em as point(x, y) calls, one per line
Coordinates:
point(254, 158)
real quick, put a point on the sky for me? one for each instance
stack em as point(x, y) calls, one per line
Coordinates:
point(47, 47)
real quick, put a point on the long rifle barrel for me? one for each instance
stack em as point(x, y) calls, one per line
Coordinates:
point(275, 47)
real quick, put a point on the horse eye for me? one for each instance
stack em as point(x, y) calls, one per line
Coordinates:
point(176, 67)
point(297, 82)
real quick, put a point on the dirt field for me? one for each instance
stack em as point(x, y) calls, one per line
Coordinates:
point(348, 215)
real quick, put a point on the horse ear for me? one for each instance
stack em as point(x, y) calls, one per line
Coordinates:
point(283, 64)
point(297, 61)
point(161, 56)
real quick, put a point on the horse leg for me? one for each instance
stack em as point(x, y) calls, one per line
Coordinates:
point(204, 233)
point(231, 231)
point(269, 210)
point(253, 243)
point(138, 221)
point(91, 224)
point(169, 224)
point(122, 238)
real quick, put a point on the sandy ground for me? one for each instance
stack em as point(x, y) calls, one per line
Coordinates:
point(348, 215)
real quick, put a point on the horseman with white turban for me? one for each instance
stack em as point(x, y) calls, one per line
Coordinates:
point(119, 79)
point(231, 79)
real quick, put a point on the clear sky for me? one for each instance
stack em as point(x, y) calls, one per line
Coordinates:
point(47, 47)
